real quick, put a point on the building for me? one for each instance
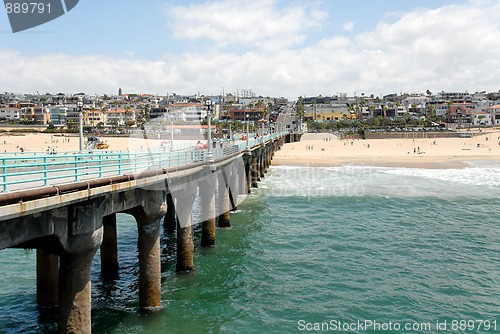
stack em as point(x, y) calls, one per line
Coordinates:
point(72, 116)
point(9, 114)
point(58, 115)
point(328, 112)
point(495, 114)
point(454, 96)
point(94, 117)
point(481, 118)
point(254, 114)
point(193, 112)
point(460, 113)
point(35, 115)
point(120, 117)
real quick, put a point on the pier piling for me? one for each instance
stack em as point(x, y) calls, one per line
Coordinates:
point(224, 219)
point(207, 197)
point(109, 248)
point(47, 278)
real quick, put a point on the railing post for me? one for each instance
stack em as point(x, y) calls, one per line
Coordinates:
point(119, 164)
point(100, 165)
point(76, 167)
point(45, 171)
point(4, 171)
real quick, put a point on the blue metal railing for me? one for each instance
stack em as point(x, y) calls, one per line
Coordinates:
point(29, 170)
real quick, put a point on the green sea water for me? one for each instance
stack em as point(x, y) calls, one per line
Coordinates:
point(312, 250)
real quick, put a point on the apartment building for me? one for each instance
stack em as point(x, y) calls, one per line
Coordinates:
point(9, 114)
point(58, 115)
point(37, 115)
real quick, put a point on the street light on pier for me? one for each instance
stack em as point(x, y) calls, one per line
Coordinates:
point(247, 148)
point(79, 105)
point(171, 132)
point(210, 159)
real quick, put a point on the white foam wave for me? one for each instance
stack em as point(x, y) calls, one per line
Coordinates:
point(355, 180)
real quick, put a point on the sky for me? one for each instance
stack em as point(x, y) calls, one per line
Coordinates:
point(274, 48)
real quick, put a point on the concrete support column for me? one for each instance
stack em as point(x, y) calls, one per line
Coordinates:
point(148, 217)
point(233, 188)
point(75, 292)
point(109, 248)
point(255, 170)
point(47, 278)
point(224, 207)
point(247, 177)
point(233, 200)
point(208, 212)
point(149, 263)
point(79, 242)
point(185, 246)
point(267, 158)
point(262, 164)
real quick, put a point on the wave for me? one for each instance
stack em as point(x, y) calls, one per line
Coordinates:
point(478, 180)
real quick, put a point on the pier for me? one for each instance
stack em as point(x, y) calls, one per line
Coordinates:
point(65, 207)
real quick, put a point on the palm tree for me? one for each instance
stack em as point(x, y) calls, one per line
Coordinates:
point(372, 109)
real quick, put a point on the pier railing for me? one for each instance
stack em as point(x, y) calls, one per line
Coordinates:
point(30, 170)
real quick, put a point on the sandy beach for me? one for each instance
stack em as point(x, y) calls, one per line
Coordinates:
point(41, 142)
point(327, 150)
point(313, 149)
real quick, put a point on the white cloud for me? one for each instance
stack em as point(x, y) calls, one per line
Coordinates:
point(258, 24)
point(348, 26)
point(452, 48)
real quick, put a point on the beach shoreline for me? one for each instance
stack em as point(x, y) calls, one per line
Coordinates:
point(326, 150)
point(313, 150)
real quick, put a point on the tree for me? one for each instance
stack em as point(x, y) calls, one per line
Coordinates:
point(300, 108)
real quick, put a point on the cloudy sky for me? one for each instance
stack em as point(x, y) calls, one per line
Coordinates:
point(272, 47)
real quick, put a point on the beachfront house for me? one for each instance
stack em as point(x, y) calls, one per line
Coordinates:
point(495, 114)
point(35, 115)
point(9, 114)
point(481, 118)
point(120, 117)
point(94, 117)
point(58, 115)
point(460, 113)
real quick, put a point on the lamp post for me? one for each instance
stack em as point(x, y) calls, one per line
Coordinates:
point(79, 105)
point(171, 132)
point(210, 158)
point(230, 132)
point(247, 148)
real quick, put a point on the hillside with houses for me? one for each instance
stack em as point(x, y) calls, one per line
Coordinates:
point(122, 112)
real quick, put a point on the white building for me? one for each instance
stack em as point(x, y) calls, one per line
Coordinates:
point(481, 118)
point(188, 112)
point(9, 114)
point(495, 114)
point(120, 117)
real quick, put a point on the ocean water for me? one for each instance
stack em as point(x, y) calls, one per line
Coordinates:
point(341, 249)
